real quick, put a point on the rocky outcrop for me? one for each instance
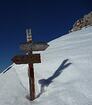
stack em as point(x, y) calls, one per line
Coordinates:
point(83, 22)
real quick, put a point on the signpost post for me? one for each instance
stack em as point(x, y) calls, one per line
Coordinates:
point(30, 69)
point(30, 58)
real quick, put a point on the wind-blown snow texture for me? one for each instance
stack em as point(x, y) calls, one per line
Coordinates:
point(63, 78)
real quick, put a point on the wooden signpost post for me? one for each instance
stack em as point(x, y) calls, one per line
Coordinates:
point(30, 58)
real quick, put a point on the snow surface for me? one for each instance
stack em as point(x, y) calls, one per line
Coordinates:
point(63, 78)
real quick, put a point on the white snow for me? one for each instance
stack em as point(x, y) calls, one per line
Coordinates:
point(63, 78)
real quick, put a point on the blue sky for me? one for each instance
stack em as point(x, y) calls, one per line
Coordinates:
point(48, 20)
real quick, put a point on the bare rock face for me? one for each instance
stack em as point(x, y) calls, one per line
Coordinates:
point(83, 22)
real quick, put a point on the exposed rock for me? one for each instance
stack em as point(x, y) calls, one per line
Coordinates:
point(83, 22)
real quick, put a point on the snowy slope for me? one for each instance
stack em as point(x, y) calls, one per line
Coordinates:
point(63, 78)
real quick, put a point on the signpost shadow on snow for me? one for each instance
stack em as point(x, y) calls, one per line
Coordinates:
point(7, 69)
point(46, 82)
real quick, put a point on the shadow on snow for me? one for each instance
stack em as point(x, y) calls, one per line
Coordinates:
point(7, 69)
point(46, 82)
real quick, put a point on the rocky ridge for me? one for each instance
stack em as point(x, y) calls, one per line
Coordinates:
point(82, 22)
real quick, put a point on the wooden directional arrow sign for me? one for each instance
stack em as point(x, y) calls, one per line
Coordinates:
point(26, 59)
point(38, 46)
point(29, 59)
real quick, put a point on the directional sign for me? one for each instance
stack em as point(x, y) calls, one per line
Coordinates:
point(38, 46)
point(29, 59)
point(26, 59)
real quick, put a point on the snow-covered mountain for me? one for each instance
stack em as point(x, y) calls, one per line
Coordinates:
point(63, 78)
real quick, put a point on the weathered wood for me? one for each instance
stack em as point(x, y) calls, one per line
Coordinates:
point(29, 59)
point(29, 35)
point(34, 46)
point(31, 82)
point(31, 69)
point(26, 59)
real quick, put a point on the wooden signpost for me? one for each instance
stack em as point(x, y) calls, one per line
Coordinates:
point(25, 59)
point(34, 46)
point(30, 58)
